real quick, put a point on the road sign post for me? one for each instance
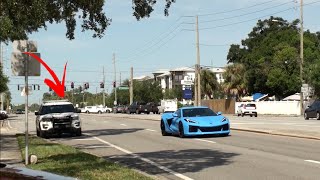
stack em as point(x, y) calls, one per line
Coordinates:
point(23, 65)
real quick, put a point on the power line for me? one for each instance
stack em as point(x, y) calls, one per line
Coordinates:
point(174, 26)
point(245, 14)
point(238, 9)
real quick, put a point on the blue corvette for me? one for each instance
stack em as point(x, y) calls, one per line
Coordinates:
point(192, 121)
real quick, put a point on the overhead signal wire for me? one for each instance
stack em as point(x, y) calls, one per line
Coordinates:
point(245, 14)
point(240, 22)
point(171, 29)
point(238, 9)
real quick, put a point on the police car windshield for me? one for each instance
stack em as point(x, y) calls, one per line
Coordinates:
point(57, 109)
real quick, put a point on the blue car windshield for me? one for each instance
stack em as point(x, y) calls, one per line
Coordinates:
point(198, 112)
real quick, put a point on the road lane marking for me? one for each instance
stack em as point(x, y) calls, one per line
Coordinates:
point(151, 130)
point(123, 124)
point(144, 159)
point(88, 139)
point(313, 161)
point(206, 141)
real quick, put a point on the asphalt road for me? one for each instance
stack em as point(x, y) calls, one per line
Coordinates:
point(242, 155)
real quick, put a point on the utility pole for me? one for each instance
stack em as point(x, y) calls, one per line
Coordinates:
point(1, 66)
point(120, 78)
point(198, 65)
point(301, 56)
point(115, 79)
point(103, 90)
point(26, 88)
point(131, 85)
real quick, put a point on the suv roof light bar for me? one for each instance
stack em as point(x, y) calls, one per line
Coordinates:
point(52, 101)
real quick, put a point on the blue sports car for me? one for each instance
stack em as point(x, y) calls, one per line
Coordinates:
point(192, 121)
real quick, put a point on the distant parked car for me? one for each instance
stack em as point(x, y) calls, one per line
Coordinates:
point(313, 111)
point(247, 109)
point(153, 107)
point(118, 109)
point(96, 109)
point(138, 108)
point(3, 116)
point(20, 111)
point(3, 112)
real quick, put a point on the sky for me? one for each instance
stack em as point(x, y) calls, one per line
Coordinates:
point(158, 42)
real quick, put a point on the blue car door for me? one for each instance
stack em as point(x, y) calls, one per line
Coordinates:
point(175, 121)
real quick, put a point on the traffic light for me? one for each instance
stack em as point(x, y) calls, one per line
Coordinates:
point(50, 89)
point(34, 87)
point(86, 85)
point(101, 85)
point(65, 88)
point(38, 87)
point(72, 85)
point(114, 84)
point(18, 87)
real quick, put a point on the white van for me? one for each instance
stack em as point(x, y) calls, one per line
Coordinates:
point(168, 105)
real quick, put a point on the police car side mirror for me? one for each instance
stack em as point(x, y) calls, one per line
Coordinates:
point(36, 113)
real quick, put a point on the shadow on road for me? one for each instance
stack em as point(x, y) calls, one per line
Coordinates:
point(98, 132)
point(181, 161)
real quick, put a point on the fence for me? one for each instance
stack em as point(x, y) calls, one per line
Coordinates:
point(226, 106)
point(275, 107)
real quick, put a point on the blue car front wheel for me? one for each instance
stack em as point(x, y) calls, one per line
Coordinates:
point(181, 130)
point(163, 129)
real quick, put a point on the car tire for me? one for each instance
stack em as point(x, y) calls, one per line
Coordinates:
point(38, 133)
point(256, 115)
point(43, 134)
point(238, 114)
point(87, 112)
point(242, 114)
point(181, 130)
point(318, 116)
point(163, 129)
point(108, 111)
point(99, 112)
point(305, 115)
point(250, 115)
point(137, 111)
point(79, 132)
point(224, 135)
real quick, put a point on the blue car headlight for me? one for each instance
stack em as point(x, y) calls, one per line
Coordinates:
point(224, 119)
point(190, 121)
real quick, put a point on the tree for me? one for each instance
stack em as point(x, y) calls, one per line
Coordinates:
point(19, 18)
point(234, 82)
point(3, 81)
point(209, 83)
point(270, 56)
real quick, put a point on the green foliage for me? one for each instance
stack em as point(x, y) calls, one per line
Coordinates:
point(235, 83)
point(19, 18)
point(175, 92)
point(270, 58)
point(209, 83)
point(3, 81)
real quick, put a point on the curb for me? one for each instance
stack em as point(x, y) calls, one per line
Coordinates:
point(276, 134)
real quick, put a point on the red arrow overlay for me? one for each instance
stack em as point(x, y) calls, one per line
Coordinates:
point(57, 86)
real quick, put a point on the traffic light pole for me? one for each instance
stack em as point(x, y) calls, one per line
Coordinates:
point(115, 79)
point(103, 91)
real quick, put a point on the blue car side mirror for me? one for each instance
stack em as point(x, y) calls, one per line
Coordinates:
point(219, 113)
point(174, 115)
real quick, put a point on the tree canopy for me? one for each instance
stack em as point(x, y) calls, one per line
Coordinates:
point(19, 18)
point(270, 56)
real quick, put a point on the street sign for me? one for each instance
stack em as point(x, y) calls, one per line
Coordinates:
point(115, 103)
point(187, 80)
point(18, 64)
point(187, 94)
point(123, 87)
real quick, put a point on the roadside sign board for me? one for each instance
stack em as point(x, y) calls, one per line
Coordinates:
point(18, 64)
point(187, 94)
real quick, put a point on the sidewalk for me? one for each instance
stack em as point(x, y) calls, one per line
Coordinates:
point(9, 150)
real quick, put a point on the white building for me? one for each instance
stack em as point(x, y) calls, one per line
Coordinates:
point(172, 78)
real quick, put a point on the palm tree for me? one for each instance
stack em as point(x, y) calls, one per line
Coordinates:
point(234, 80)
point(209, 83)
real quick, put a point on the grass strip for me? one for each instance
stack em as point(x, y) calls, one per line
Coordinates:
point(68, 161)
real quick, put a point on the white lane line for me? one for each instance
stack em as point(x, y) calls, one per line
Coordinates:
point(151, 130)
point(144, 159)
point(313, 161)
point(123, 124)
point(88, 139)
point(206, 141)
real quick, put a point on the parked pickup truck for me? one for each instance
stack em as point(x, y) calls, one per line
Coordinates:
point(138, 108)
